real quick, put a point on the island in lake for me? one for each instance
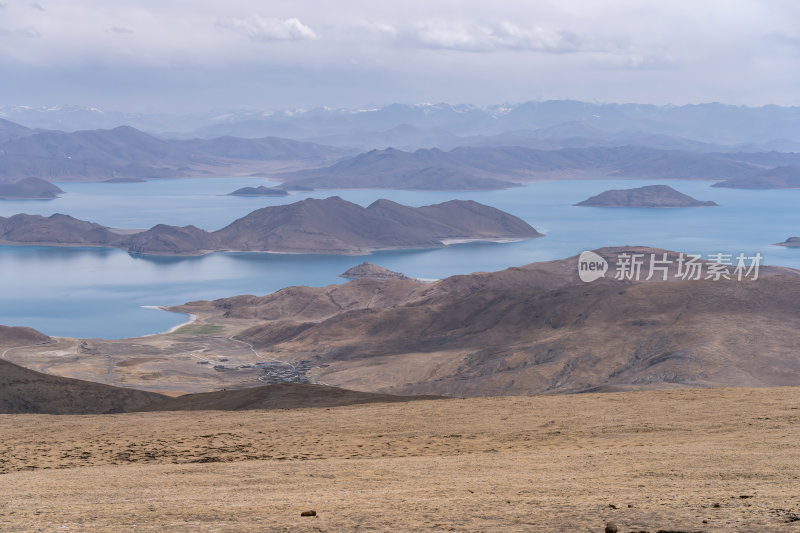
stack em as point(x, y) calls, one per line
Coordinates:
point(649, 196)
point(29, 189)
point(329, 226)
point(259, 191)
point(791, 242)
point(368, 270)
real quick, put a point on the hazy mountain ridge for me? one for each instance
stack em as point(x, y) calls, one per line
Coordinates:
point(496, 147)
point(783, 177)
point(127, 152)
point(502, 167)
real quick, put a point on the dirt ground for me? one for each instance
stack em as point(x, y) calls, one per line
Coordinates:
point(174, 363)
point(679, 460)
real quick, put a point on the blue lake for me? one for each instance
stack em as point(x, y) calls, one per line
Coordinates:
point(91, 292)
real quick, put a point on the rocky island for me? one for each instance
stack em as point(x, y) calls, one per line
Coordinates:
point(329, 226)
point(29, 189)
point(649, 196)
point(368, 270)
point(259, 191)
point(791, 242)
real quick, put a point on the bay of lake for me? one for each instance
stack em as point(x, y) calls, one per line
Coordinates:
point(100, 293)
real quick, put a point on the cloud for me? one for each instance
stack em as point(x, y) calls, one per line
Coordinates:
point(783, 39)
point(472, 37)
point(28, 32)
point(117, 29)
point(263, 29)
point(36, 6)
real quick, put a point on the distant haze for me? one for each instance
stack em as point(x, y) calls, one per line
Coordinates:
point(180, 57)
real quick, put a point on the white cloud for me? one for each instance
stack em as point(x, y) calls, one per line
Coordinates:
point(264, 29)
point(118, 29)
point(473, 37)
point(27, 32)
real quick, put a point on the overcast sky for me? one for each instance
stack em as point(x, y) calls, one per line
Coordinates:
point(198, 55)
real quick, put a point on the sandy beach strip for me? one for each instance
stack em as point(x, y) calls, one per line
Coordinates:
point(173, 329)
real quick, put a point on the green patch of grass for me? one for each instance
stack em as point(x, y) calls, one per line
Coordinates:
point(198, 329)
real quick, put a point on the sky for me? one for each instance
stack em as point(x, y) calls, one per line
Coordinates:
point(200, 55)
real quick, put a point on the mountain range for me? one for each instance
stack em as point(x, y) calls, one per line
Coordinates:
point(493, 149)
point(472, 167)
point(412, 126)
point(125, 152)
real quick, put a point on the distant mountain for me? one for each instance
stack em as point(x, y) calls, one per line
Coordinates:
point(29, 189)
point(649, 196)
point(786, 177)
point(332, 226)
point(502, 167)
point(756, 128)
point(487, 148)
point(10, 130)
point(125, 152)
point(395, 169)
point(412, 126)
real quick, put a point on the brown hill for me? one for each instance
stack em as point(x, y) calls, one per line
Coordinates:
point(18, 336)
point(27, 391)
point(649, 196)
point(305, 304)
point(280, 396)
point(539, 329)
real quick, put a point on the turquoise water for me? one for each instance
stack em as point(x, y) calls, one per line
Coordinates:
point(90, 292)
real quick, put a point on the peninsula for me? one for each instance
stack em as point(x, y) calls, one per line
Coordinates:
point(329, 226)
point(29, 189)
point(784, 177)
